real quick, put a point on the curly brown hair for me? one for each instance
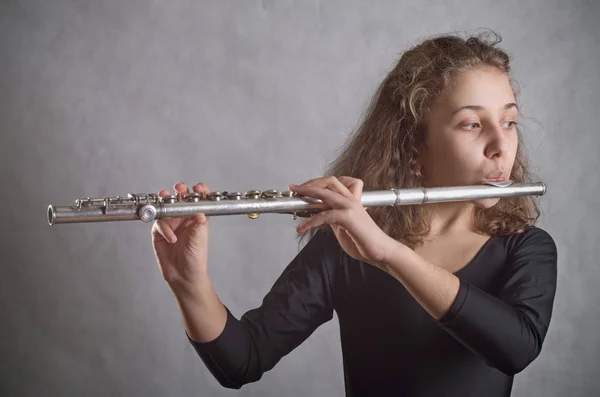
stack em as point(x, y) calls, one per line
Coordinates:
point(384, 150)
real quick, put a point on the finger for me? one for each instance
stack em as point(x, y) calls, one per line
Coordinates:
point(201, 219)
point(203, 189)
point(194, 220)
point(181, 188)
point(354, 185)
point(312, 182)
point(200, 188)
point(347, 186)
point(331, 183)
point(322, 181)
point(337, 185)
point(328, 197)
point(344, 184)
point(325, 217)
point(330, 190)
point(162, 227)
point(162, 231)
point(189, 221)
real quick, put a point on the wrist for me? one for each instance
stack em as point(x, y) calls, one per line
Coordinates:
point(192, 290)
point(393, 250)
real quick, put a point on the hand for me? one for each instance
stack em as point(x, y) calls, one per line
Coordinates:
point(181, 244)
point(355, 230)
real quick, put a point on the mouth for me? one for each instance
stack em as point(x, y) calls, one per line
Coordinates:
point(496, 178)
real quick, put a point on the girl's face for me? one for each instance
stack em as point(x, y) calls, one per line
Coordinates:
point(471, 134)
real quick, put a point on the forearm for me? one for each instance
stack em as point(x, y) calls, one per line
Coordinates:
point(432, 286)
point(507, 331)
point(203, 313)
point(240, 351)
point(221, 340)
point(506, 337)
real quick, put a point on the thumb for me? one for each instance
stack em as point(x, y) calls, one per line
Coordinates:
point(198, 226)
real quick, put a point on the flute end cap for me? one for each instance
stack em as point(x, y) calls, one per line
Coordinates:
point(51, 215)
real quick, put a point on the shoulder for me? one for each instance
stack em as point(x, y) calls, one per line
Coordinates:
point(532, 251)
point(534, 239)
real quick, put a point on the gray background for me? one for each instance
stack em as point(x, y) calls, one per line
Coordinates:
point(110, 97)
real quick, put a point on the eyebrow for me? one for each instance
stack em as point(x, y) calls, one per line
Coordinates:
point(478, 107)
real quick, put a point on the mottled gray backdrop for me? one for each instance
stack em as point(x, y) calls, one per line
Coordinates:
point(110, 97)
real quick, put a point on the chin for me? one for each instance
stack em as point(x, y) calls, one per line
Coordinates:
point(486, 203)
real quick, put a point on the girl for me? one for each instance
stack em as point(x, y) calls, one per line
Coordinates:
point(448, 299)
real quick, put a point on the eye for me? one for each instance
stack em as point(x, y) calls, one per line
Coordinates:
point(470, 126)
point(510, 124)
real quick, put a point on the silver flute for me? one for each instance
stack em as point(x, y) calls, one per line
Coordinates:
point(149, 207)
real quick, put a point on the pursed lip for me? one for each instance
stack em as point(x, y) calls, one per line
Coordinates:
point(496, 178)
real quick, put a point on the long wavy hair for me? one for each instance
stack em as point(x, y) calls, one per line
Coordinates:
point(383, 151)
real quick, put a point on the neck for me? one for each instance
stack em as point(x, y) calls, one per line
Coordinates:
point(451, 217)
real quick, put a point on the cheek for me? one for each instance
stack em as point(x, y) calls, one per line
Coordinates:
point(454, 155)
point(512, 140)
point(513, 148)
point(450, 156)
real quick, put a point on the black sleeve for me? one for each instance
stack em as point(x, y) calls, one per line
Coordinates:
point(508, 330)
point(299, 302)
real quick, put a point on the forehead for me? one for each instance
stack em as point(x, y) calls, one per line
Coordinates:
point(486, 87)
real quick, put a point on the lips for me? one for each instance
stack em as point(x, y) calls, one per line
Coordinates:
point(499, 177)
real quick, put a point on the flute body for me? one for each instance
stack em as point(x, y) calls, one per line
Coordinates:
point(149, 207)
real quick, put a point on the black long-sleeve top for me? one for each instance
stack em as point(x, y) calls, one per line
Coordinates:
point(390, 345)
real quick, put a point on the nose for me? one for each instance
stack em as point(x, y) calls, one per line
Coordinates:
point(498, 141)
